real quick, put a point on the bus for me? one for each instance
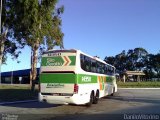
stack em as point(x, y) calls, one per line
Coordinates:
point(74, 77)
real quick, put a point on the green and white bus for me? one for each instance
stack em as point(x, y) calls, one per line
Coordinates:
point(73, 77)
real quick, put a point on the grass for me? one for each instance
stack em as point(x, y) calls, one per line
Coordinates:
point(10, 93)
point(138, 84)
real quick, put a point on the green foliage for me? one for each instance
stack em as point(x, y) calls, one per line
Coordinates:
point(152, 63)
point(39, 21)
point(11, 47)
point(8, 45)
point(136, 59)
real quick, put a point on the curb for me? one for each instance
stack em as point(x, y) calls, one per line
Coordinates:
point(139, 88)
point(15, 102)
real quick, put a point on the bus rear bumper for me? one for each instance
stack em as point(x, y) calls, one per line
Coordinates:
point(75, 99)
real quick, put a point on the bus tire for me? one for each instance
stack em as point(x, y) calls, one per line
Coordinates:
point(91, 99)
point(113, 92)
point(96, 97)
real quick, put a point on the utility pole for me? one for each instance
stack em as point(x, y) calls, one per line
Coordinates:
point(0, 15)
point(12, 77)
point(0, 36)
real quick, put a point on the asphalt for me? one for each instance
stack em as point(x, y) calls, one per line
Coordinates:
point(126, 102)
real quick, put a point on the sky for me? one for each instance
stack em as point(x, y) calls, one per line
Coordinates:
point(105, 28)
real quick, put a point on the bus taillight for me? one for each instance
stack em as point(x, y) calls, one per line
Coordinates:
point(76, 88)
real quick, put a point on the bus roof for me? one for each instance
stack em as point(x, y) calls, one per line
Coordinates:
point(56, 51)
point(77, 51)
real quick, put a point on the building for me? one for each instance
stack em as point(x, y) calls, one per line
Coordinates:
point(133, 76)
point(17, 77)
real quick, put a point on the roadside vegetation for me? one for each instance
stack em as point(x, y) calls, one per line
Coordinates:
point(137, 59)
point(149, 84)
point(10, 93)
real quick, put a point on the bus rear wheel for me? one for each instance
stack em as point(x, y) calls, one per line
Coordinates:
point(96, 98)
point(113, 92)
point(91, 99)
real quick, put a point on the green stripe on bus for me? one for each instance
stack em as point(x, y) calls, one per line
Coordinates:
point(71, 78)
point(57, 78)
point(84, 78)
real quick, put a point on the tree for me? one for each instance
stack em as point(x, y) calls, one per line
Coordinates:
point(135, 59)
point(132, 60)
point(156, 64)
point(130, 65)
point(149, 66)
point(7, 43)
point(121, 61)
point(110, 60)
point(40, 25)
point(140, 54)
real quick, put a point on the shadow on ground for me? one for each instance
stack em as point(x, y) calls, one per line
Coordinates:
point(10, 95)
point(31, 105)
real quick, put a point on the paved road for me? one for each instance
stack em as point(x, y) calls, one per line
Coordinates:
point(124, 104)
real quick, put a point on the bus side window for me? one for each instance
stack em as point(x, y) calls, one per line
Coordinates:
point(93, 65)
point(108, 70)
point(99, 67)
point(87, 64)
point(112, 71)
point(103, 69)
point(82, 62)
